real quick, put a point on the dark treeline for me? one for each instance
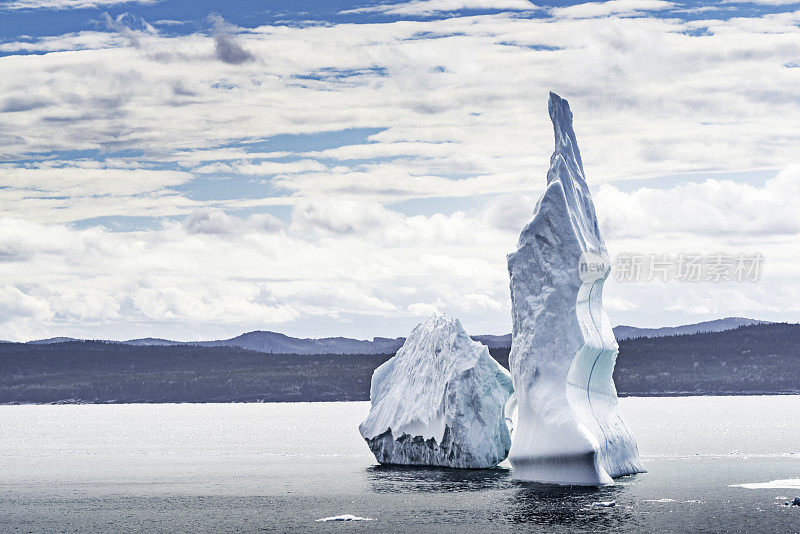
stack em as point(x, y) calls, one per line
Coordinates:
point(748, 360)
point(91, 371)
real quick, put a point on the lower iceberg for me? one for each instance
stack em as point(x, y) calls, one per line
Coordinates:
point(439, 401)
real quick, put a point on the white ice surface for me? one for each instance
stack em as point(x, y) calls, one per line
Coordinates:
point(568, 429)
point(442, 397)
point(786, 483)
point(345, 517)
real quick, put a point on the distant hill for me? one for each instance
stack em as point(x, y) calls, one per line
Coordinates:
point(53, 340)
point(270, 342)
point(717, 325)
point(148, 342)
point(277, 343)
point(756, 359)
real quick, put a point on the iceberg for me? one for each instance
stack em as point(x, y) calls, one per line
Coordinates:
point(568, 429)
point(345, 517)
point(439, 401)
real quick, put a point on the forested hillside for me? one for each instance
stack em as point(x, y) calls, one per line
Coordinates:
point(92, 371)
point(748, 360)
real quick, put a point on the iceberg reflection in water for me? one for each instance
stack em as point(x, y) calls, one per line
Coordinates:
point(514, 501)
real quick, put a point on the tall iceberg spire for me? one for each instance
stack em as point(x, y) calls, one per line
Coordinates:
point(569, 430)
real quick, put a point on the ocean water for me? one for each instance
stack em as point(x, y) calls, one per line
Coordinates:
point(283, 467)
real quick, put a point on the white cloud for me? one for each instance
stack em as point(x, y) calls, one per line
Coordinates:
point(429, 7)
point(170, 22)
point(617, 303)
point(626, 8)
point(224, 274)
point(216, 167)
point(510, 212)
point(87, 178)
point(215, 275)
point(190, 158)
point(339, 217)
point(217, 222)
point(762, 2)
point(58, 191)
point(272, 167)
point(83, 40)
point(66, 4)
point(422, 309)
point(462, 102)
point(459, 109)
point(14, 304)
point(612, 7)
point(710, 208)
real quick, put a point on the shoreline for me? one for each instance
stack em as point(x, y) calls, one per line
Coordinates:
point(213, 401)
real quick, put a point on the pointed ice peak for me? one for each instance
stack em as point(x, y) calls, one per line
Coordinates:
point(437, 320)
point(560, 113)
point(568, 182)
point(439, 317)
point(438, 330)
point(566, 144)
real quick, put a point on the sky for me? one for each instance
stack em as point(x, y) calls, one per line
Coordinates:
point(194, 169)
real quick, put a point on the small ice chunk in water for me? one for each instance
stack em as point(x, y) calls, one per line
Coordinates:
point(785, 483)
point(345, 517)
point(604, 504)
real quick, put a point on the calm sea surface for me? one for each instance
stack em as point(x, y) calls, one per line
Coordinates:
point(281, 467)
